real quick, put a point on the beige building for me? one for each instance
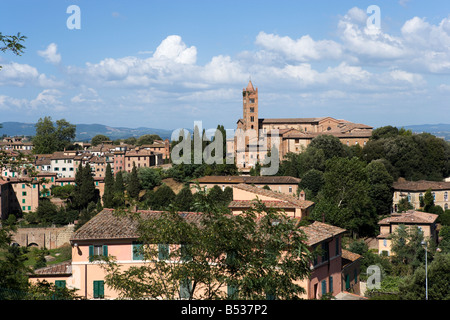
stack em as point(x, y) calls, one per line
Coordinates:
point(283, 184)
point(295, 133)
point(415, 190)
point(423, 220)
point(244, 196)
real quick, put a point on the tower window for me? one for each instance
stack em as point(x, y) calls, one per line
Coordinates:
point(252, 100)
point(252, 119)
point(252, 109)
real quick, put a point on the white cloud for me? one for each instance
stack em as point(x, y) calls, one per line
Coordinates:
point(50, 54)
point(303, 49)
point(173, 48)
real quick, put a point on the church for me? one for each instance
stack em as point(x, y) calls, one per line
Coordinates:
point(295, 134)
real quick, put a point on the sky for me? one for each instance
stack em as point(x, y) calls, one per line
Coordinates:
point(166, 64)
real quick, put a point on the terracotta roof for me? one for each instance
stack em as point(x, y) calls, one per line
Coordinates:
point(277, 195)
point(269, 204)
point(64, 268)
point(249, 179)
point(319, 231)
point(289, 120)
point(106, 225)
point(61, 155)
point(351, 256)
point(421, 185)
point(410, 217)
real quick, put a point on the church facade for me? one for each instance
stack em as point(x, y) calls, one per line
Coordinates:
point(295, 134)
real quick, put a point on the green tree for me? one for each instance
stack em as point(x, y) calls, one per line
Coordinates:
point(313, 181)
point(12, 43)
point(162, 198)
point(253, 258)
point(184, 200)
point(404, 205)
point(428, 201)
point(108, 193)
point(408, 252)
point(149, 177)
point(413, 288)
point(147, 139)
point(133, 185)
point(98, 139)
point(49, 138)
point(344, 199)
point(381, 191)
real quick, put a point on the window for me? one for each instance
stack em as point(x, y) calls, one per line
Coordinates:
point(138, 253)
point(330, 284)
point(23, 186)
point(99, 289)
point(347, 282)
point(325, 252)
point(97, 251)
point(385, 242)
point(185, 289)
point(29, 208)
point(290, 189)
point(23, 200)
point(324, 287)
point(252, 119)
point(60, 283)
point(337, 251)
point(163, 251)
point(445, 196)
point(252, 100)
point(185, 252)
point(252, 109)
point(24, 193)
point(232, 291)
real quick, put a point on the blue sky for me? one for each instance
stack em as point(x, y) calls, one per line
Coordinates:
point(166, 64)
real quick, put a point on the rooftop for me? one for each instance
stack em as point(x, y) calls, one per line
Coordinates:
point(410, 217)
point(319, 231)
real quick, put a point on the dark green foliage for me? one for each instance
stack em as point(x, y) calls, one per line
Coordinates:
point(414, 157)
point(49, 138)
point(108, 194)
point(149, 178)
point(161, 199)
point(133, 185)
point(98, 139)
point(313, 181)
point(381, 191)
point(344, 198)
point(413, 288)
point(184, 200)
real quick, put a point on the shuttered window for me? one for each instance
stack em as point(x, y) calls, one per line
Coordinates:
point(138, 253)
point(163, 251)
point(99, 289)
point(324, 287)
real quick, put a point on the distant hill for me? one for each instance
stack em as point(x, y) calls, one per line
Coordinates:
point(439, 130)
point(86, 132)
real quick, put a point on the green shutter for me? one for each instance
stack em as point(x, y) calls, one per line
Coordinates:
point(60, 283)
point(163, 251)
point(137, 251)
point(105, 250)
point(185, 289)
point(337, 246)
point(91, 253)
point(99, 289)
point(324, 287)
point(231, 292)
point(331, 284)
point(347, 282)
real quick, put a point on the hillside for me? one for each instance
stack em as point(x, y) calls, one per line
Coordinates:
point(85, 132)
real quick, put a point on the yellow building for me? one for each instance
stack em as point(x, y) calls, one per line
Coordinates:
point(415, 190)
point(423, 220)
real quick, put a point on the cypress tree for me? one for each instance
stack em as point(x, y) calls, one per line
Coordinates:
point(133, 186)
point(108, 194)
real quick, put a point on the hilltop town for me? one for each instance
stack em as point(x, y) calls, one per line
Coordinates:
point(367, 202)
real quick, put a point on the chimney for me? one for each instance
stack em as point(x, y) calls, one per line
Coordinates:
point(302, 195)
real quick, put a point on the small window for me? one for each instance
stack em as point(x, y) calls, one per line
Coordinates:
point(24, 193)
point(330, 284)
point(138, 253)
point(60, 283)
point(163, 251)
point(324, 287)
point(99, 289)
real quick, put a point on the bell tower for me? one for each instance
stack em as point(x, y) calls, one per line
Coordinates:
point(250, 107)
